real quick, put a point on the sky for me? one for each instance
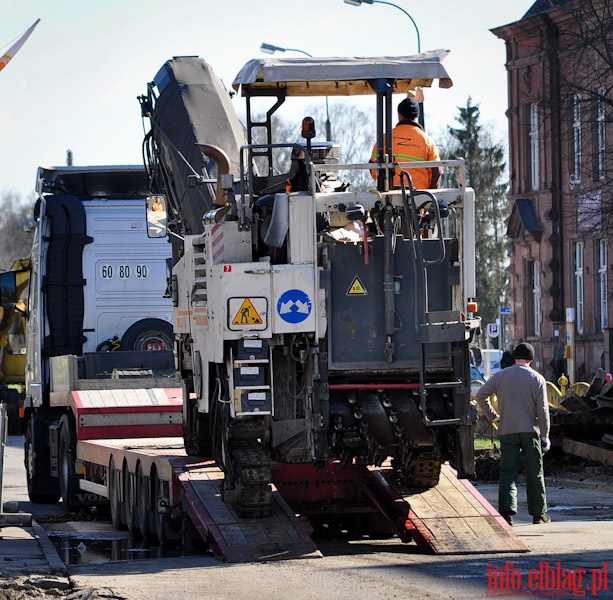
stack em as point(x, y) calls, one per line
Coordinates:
point(75, 82)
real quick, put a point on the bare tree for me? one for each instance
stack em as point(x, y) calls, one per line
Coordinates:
point(352, 128)
point(578, 38)
point(15, 242)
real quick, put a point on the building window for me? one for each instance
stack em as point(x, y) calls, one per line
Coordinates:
point(589, 211)
point(576, 152)
point(579, 286)
point(536, 296)
point(602, 282)
point(601, 123)
point(532, 298)
point(534, 147)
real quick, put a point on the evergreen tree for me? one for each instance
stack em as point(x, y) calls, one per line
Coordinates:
point(485, 166)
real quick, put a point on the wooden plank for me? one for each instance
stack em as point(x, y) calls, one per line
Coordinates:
point(454, 518)
point(595, 453)
point(473, 535)
point(280, 536)
point(466, 493)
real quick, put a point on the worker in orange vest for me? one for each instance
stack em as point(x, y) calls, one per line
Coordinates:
point(412, 144)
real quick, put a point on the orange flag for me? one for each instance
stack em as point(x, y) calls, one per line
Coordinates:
point(6, 56)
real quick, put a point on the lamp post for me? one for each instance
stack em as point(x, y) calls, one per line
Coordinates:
point(359, 2)
point(503, 300)
point(271, 49)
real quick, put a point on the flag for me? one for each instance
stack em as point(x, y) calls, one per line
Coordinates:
point(6, 56)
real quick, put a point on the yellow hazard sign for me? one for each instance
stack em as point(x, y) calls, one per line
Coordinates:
point(247, 314)
point(357, 288)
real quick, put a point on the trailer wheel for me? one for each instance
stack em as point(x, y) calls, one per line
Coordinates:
point(148, 335)
point(114, 490)
point(168, 530)
point(143, 502)
point(69, 481)
point(37, 472)
point(129, 494)
point(161, 518)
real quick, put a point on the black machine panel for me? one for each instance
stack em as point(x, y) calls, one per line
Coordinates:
point(357, 336)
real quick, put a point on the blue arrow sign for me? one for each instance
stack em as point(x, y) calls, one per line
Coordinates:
point(294, 306)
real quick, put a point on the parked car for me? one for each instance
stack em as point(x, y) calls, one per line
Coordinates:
point(476, 381)
point(482, 427)
point(490, 362)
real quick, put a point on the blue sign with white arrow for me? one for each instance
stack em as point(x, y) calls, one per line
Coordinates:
point(294, 306)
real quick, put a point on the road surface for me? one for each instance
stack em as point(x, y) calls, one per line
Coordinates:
point(568, 558)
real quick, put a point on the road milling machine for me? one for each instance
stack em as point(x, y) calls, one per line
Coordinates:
point(320, 329)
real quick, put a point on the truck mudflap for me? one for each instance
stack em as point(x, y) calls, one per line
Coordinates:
point(280, 536)
point(450, 518)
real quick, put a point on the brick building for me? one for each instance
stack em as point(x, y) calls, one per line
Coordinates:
point(560, 187)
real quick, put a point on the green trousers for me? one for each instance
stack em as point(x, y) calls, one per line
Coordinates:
point(514, 447)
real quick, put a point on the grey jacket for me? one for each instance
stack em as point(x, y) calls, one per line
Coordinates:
point(522, 400)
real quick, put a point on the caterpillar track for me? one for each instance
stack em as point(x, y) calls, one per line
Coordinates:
point(250, 476)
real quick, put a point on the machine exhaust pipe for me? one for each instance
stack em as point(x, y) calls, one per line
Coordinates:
point(223, 168)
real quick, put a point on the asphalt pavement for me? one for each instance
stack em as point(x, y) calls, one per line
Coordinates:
point(581, 513)
point(28, 558)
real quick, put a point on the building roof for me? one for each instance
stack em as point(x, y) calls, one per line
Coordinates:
point(523, 217)
point(541, 7)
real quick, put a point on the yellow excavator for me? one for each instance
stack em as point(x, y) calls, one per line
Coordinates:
point(13, 347)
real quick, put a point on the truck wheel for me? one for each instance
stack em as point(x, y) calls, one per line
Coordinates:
point(129, 494)
point(69, 481)
point(14, 400)
point(143, 502)
point(196, 434)
point(114, 487)
point(37, 472)
point(149, 335)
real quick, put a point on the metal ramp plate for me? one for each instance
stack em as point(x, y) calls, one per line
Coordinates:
point(451, 518)
point(234, 539)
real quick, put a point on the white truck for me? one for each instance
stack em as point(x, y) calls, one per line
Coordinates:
point(97, 292)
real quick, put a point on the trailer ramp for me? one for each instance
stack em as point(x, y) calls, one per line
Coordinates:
point(280, 536)
point(451, 518)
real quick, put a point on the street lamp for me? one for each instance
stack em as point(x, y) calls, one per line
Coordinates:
point(271, 49)
point(358, 2)
point(503, 302)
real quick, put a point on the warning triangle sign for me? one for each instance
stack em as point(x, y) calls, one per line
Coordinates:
point(357, 288)
point(247, 314)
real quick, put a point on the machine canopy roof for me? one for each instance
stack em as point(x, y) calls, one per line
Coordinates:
point(342, 76)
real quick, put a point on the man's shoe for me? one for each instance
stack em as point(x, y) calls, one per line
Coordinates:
point(544, 518)
point(508, 517)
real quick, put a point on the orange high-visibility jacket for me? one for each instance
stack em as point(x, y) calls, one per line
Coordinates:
point(411, 144)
